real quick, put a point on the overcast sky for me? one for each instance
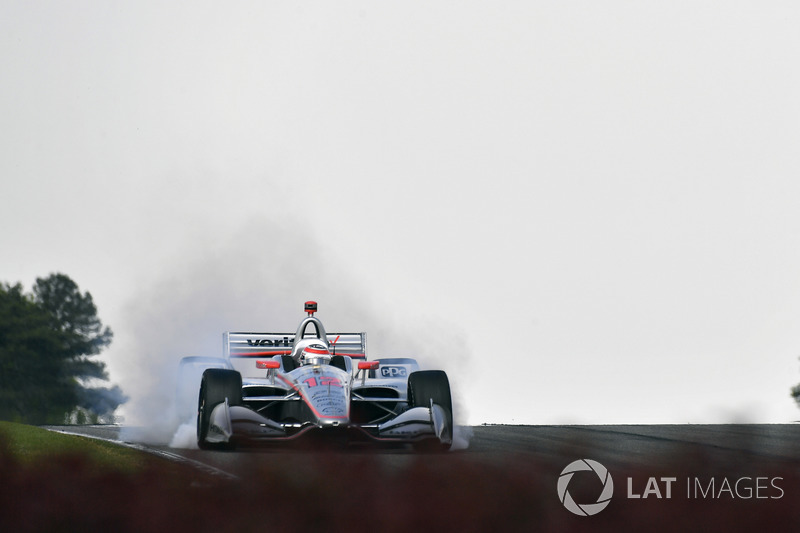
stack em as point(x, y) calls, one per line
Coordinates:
point(583, 211)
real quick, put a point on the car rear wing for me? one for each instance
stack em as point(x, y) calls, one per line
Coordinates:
point(238, 346)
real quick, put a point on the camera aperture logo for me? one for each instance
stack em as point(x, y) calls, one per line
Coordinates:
point(585, 509)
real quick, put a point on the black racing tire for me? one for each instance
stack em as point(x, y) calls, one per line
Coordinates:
point(217, 385)
point(190, 371)
point(427, 385)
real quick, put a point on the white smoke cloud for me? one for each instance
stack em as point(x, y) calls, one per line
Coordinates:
point(255, 280)
point(185, 436)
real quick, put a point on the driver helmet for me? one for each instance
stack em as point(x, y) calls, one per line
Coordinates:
point(315, 354)
point(302, 344)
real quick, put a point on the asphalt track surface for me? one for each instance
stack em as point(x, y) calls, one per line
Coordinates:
point(729, 449)
point(621, 446)
point(708, 478)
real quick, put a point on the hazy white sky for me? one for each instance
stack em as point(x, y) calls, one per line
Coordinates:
point(583, 211)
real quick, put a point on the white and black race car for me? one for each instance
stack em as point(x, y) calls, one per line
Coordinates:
point(272, 387)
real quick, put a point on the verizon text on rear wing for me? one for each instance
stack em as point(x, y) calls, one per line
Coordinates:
point(242, 349)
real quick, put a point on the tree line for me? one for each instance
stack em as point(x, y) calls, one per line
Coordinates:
point(49, 339)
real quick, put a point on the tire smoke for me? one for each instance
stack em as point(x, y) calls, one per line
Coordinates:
point(235, 285)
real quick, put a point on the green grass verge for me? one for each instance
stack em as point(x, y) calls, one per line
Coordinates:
point(30, 445)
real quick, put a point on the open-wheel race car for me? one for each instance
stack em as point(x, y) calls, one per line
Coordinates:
point(272, 387)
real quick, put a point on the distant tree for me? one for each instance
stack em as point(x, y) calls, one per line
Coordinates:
point(796, 393)
point(28, 385)
point(74, 317)
point(47, 341)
